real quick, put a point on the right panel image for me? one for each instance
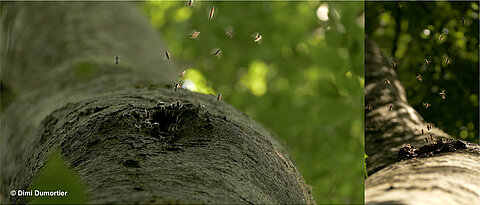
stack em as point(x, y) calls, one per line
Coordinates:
point(421, 103)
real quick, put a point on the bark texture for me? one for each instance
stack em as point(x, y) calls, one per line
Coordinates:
point(445, 171)
point(125, 131)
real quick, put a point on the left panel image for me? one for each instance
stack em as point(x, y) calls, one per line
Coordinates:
point(182, 102)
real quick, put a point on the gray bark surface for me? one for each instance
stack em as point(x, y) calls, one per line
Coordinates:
point(58, 59)
point(444, 171)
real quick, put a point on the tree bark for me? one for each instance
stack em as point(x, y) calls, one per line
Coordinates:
point(442, 171)
point(109, 124)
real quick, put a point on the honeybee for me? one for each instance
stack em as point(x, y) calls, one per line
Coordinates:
point(219, 97)
point(394, 65)
point(431, 137)
point(408, 146)
point(390, 108)
point(257, 38)
point(387, 81)
point(167, 54)
point(427, 61)
point(217, 52)
point(368, 107)
point(463, 20)
point(176, 87)
point(442, 94)
point(426, 140)
point(426, 105)
point(429, 126)
point(422, 131)
point(440, 37)
point(419, 77)
point(194, 34)
point(447, 60)
point(229, 31)
point(190, 3)
point(211, 13)
point(116, 60)
point(182, 73)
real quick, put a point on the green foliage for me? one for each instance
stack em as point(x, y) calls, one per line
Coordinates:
point(304, 81)
point(55, 175)
point(410, 32)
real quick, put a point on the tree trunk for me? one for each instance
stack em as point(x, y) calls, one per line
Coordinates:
point(107, 119)
point(442, 171)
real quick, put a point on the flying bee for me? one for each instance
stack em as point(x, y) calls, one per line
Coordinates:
point(431, 137)
point(447, 60)
point(219, 97)
point(176, 87)
point(440, 37)
point(427, 61)
point(429, 126)
point(426, 105)
point(190, 3)
point(116, 60)
point(167, 55)
point(182, 73)
point(422, 131)
point(257, 38)
point(229, 31)
point(211, 13)
point(419, 77)
point(217, 52)
point(394, 65)
point(387, 81)
point(390, 108)
point(442, 94)
point(194, 34)
point(368, 107)
point(463, 20)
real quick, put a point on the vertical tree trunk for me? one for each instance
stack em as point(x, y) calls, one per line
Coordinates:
point(444, 171)
point(107, 119)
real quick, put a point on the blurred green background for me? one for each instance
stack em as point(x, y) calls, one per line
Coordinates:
point(409, 33)
point(304, 81)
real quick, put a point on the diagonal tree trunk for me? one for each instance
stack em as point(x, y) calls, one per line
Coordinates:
point(108, 122)
point(444, 171)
